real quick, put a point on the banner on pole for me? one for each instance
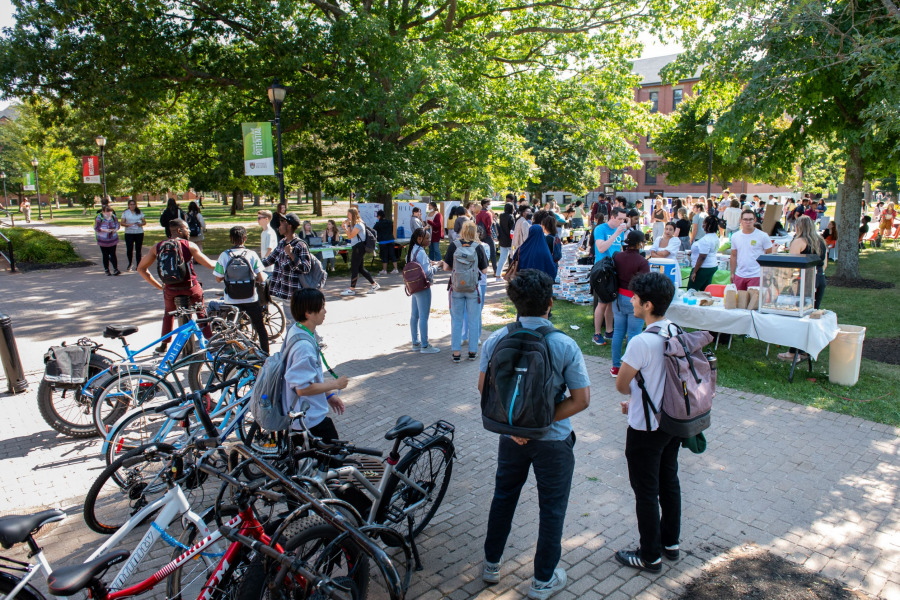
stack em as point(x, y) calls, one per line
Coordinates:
point(259, 159)
point(29, 182)
point(90, 169)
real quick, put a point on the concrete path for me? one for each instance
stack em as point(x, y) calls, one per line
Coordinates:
point(815, 487)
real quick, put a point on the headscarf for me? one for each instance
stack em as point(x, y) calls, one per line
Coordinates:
point(534, 253)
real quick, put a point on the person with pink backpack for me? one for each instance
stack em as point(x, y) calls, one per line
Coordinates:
point(418, 276)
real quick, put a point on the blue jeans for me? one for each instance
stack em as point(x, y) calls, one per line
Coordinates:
point(434, 251)
point(553, 463)
point(482, 290)
point(418, 320)
point(624, 323)
point(504, 256)
point(464, 307)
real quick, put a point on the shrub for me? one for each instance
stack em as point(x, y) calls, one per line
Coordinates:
point(35, 246)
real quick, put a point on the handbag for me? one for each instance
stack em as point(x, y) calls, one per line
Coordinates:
point(513, 267)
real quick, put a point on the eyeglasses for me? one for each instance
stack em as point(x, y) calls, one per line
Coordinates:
point(749, 219)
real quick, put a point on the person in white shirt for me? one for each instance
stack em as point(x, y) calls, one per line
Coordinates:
point(732, 217)
point(134, 221)
point(268, 239)
point(238, 236)
point(746, 246)
point(667, 246)
point(652, 454)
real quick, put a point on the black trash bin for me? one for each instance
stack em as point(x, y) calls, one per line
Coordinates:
point(9, 355)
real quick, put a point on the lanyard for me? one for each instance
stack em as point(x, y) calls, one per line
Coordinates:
point(325, 362)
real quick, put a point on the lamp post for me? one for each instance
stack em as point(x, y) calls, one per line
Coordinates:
point(276, 97)
point(709, 130)
point(37, 186)
point(5, 197)
point(101, 141)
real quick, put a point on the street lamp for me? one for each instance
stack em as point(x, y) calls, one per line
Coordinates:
point(276, 97)
point(101, 141)
point(5, 197)
point(709, 131)
point(37, 186)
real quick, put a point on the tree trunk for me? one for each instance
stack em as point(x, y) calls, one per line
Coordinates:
point(224, 198)
point(237, 201)
point(317, 202)
point(255, 199)
point(384, 198)
point(847, 213)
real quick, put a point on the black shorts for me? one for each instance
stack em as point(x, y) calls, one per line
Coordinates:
point(386, 252)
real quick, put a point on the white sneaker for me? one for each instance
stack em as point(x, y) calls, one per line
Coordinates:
point(374, 288)
point(429, 350)
point(498, 279)
point(393, 272)
point(382, 272)
point(540, 590)
point(348, 292)
point(490, 572)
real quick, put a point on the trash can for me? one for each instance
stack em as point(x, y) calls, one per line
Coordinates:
point(845, 355)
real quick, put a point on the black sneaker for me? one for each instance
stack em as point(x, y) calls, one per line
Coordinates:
point(671, 552)
point(457, 358)
point(634, 560)
point(473, 355)
point(161, 349)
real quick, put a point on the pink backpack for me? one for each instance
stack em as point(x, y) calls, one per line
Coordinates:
point(414, 277)
point(690, 384)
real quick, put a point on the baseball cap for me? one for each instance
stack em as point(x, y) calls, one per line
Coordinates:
point(293, 219)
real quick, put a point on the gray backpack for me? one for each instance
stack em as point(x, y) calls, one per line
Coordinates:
point(316, 277)
point(464, 278)
point(266, 397)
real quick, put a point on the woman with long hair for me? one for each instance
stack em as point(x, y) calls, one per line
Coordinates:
point(421, 300)
point(170, 213)
point(307, 232)
point(331, 237)
point(106, 226)
point(465, 305)
point(134, 221)
point(196, 223)
point(808, 241)
point(505, 227)
point(355, 232)
point(660, 218)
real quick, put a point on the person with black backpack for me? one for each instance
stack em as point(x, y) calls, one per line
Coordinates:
point(196, 224)
point(526, 368)
point(171, 213)
point(175, 258)
point(241, 269)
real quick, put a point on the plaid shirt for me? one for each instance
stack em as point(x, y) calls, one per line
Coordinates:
point(285, 279)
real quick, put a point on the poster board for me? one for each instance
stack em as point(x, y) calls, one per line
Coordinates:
point(367, 213)
point(403, 214)
point(773, 213)
point(446, 207)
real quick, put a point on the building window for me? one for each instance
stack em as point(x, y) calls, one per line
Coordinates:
point(650, 172)
point(677, 96)
point(654, 101)
point(648, 140)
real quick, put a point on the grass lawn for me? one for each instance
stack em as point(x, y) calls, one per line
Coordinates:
point(35, 247)
point(746, 367)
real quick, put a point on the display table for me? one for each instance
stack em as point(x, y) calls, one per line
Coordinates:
point(332, 249)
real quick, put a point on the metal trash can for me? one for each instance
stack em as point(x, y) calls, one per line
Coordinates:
point(9, 355)
point(846, 355)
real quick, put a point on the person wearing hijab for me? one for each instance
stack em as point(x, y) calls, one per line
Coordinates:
point(534, 254)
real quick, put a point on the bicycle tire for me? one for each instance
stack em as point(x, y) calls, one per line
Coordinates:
point(274, 320)
point(141, 427)
point(8, 582)
point(308, 536)
point(66, 409)
point(198, 570)
point(131, 489)
point(200, 370)
point(116, 396)
point(429, 475)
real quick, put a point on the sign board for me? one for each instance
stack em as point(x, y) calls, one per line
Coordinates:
point(367, 212)
point(28, 186)
point(259, 159)
point(90, 169)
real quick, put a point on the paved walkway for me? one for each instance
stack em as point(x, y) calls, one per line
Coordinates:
point(815, 487)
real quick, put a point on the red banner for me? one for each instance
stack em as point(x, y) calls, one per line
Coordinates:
point(90, 169)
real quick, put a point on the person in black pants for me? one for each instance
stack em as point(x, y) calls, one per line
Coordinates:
point(250, 305)
point(355, 233)
point(652, 454)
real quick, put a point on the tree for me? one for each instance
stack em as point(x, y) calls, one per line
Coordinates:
point(563, 163)
point(832, 66)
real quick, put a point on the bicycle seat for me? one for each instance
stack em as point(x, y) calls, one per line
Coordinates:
point(70, 580)
point(15, 529)
point(179, 413)
point(119, 331)
point(405, 427)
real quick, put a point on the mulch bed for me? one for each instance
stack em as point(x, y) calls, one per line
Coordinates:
point(860, 284)
point(886, 350)
point(749, 572)
point(30, 266)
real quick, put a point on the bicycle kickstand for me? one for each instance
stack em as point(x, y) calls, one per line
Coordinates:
point(412, 544)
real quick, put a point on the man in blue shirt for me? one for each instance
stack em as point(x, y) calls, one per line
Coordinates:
point(608, 239)
point(552, 456)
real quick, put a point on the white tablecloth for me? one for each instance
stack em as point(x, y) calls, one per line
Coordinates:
point(810, 335)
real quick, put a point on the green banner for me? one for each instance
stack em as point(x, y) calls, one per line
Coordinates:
point(29, 182)
point(259, 159)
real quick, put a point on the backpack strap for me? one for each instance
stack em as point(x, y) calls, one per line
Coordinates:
point(645, 396)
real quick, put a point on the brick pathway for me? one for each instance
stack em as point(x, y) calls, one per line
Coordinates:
point(815, 487)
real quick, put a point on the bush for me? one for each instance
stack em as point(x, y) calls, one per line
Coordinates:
point(35, 246)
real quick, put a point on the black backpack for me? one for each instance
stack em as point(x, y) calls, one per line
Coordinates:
point(194, 225)
point(371, 239)
point(521, 389)
point(603, 280)
point(239, 277)
point(170, 264)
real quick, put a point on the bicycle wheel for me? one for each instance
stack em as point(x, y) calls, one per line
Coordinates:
point(200, 371)
point(8, 582)
point(273, 317)
point(128, 388)
point(122, 490)
point(142, 426)
point(188, 582)
point(431, 470)
point(309, 539)
point(65, 408)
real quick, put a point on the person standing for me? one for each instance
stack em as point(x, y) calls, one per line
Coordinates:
point(683, 227)
point(629, 264)
point(505, 228)
point(704, 262)
point(355, 233)
point(523, 223)
point(248, 304)
point(808, 241)
point(660, 218)
point(187, 286)
point(463, 286)
point(415, 221)
point(652, 454)
point(608, 239)
point(421, 300)
point(171, 213)
point(436, 224)
point(551, 236)
point(196, 224)
point(25, 208)
point(746, 246)
point(134, 222)
point(268, 239)
point(384, 234)
point(697, 217)
point(552, 457)
point(578, 215)
point(106, 228)
point(277, 218)
point(291, 258)
point(484, 219)
point(732, 218)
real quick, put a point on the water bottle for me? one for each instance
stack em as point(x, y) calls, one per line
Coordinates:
point(401, 232)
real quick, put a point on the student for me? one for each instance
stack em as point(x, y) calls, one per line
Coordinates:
point(746, 246)
point(384, 233)
point(505, 227)
point(25, 208)
point(190, 288)
point(577, 219)
point(268, 239)
point(196, 224)
point(697, 222)
point(666, 246)
point(171, 213)
point(534, 253)
point(683, 227)
point(291, 258)
point(629, 263)
point(415, 221)
point(863, 230)
point(732, 218)
point(485, 222)
point(307, 232)
point(332, 237)
point(523, 223)
point(436, 225)
point(704, 262)
point(465, 305)
point(250, 305)
point(652, 455)
point(421, 301)
point(607, 241)
point(134, 222)
point(554, 245)
point(106, 228)
point(355, 232)
point(277, 218)
point(304, 378)
point(808, 241)
point(551, 457)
